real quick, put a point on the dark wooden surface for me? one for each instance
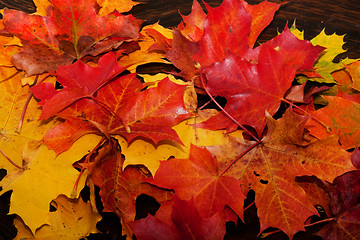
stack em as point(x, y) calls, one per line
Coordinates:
point(336, 16)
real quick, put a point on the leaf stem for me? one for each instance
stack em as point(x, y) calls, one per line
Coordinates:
point(74, 191)
point(22, 117)
point(240, 156)
point(223, 110)
point(17, 166)
point(207, 103)
point(249, 206)
point(264, 235)
point(10, 77)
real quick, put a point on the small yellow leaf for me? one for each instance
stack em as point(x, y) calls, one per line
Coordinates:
point(121, 6)
point(334, 46)
point(142, 152)
point(44, 177)
point(160, 76)
point(73, 220)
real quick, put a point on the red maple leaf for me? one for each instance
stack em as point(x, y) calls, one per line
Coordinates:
point(192, 25)
point(233, 27)
point(179, 219)
point(345, 208)
point(200, 178)
point(120, 189)
point(71, 31)
point(78, 80)
point(258, 82)
point(115, 107)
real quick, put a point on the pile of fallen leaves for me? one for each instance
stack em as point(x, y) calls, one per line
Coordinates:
point(231, 116)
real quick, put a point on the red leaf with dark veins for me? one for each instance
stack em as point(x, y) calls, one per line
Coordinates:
point(257, 84)
point(121, 102)
point(71, 30)
point(226, 28)
point(199, 177)
point(153, 117)
point(345, 207)
point(79, 80)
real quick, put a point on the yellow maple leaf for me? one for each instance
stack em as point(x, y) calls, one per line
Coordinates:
point(72, 220)
point(121, 6)
point(43, 178)
point(13, 99)
point(325, 65)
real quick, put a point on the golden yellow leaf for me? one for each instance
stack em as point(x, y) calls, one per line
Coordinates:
point(73, 220)
point(334, 46)
point(158, 77)
point(43, 177)
point(8, 47)
point(143, 56)
point(142, 152)
point(108, 6)
point(13, 99)
point(41, 6)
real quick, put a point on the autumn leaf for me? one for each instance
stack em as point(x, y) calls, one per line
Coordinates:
point(204, 39)
point(354, 71)
point(108, 7)
point(199, 177)
point(79, 80)
point(325, 66)
point(66, 34)
point(72, 220)
point(334, 46)
point(270, 168)
point(120, 109)
point(181, 57)
point(344, 193)
point(119, 189)
point(340, 118)
point(13, 139)
point(146, 53)
point(226, 28)
point(33, 184)
point(41, 6)
point(10, 46)
point(192, 25)
point(262, 14)
point(180, 219)
point(258, 86)
point(316, 192)
point(150, 155)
